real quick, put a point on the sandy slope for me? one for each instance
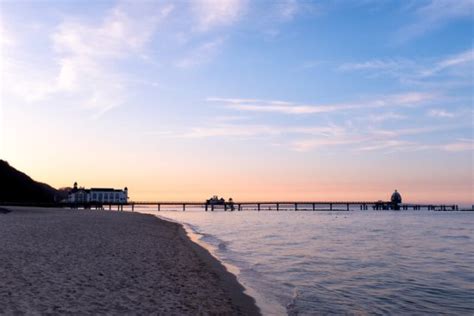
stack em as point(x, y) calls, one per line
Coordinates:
point(97, 262)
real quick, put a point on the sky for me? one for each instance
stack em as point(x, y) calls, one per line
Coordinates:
point(254, 100)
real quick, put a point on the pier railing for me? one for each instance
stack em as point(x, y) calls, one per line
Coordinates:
point(251, 205)
point(287, 205)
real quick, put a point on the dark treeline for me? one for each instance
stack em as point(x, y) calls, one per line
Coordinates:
point(17, 187)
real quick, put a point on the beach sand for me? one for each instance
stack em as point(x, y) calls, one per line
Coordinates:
point(105, 262)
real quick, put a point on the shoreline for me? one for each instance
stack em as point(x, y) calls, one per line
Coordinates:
point(246, 303)
point(96, 262)
point(266, 307)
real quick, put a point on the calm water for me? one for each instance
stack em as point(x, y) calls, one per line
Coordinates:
point(310, 263)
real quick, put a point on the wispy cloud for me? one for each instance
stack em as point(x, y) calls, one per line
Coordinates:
point(441, 113)
point(308, 144)
point(388, 116)
point(434, 14)
point(370, 139)
point(391, 144)
point(245, 130)
point(415, 71)
point(287, 9)
point(217, 13)
point(87, 58)
point(458, 60)
point(393, 133)
point(390, 65)
point(459, 145)
point(86, 51)
point(284, 107)
point(307, 138)
point(202, 54)
point(229, 130)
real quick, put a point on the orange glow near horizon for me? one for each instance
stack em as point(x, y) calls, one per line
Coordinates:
point(169, 185)
point(171, 173)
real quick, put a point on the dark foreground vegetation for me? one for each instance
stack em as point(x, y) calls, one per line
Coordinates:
point(17, 187)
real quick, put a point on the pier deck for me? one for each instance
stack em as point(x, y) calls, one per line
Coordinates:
point(253, 205)
point(285, 205)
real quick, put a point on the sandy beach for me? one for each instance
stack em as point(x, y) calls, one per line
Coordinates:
point(105, 262)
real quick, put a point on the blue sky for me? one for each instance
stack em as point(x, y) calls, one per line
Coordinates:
point(280, 89)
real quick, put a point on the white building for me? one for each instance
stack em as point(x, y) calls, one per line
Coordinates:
point(97, 195)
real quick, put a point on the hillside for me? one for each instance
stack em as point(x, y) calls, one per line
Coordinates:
point(15, 186)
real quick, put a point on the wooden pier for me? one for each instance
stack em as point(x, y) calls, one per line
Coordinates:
point(281, 206)
point(253, 206)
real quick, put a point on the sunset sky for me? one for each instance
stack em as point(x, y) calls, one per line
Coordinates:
point(253, 100)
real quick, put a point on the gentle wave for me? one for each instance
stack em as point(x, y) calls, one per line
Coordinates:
point(347, 263)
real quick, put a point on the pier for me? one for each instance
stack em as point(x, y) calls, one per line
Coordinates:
point(270, 206)
point(251, 206)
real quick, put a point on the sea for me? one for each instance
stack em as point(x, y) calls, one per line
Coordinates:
point(343, 263)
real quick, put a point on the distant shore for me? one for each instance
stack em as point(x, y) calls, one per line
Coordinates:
point(101, 262)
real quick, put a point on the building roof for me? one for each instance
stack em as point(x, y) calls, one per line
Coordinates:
point(396, 197)
point(105, 189)
point(82, 190)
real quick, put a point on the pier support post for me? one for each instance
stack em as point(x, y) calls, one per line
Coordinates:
point(314, 206)
point(110, 207)
point(212, 207)
point(206, 207)
point(258, 207)
point(240, 207)
point(184, 207)
point(330, 206)
point(225, 207)
point(133, 207)
point(296, 206)
point(159, 207)
point(347, 206)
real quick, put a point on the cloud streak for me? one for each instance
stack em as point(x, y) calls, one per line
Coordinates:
point(211, 14)
point(439, 113)
point(433, 15)
point(421, 72)
point(203, 54)
point(309, 138)
point(284, 107)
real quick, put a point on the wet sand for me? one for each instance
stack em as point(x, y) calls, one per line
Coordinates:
point(105, 262)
